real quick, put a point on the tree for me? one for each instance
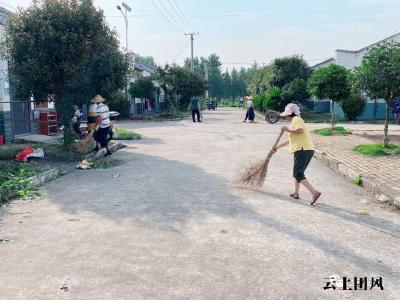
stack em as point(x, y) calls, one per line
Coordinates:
point(331, 82)
point(287, 69)
point(180, 83)
point(143, 87)
point(295, 91)
point(236, 84)
point(379, 77)
point(148, 60)
point(243, 82)
point(226, 85)
point(198, 63)
point(215, 76)
point(64, 51)
point(119, 102)
point(259, 79)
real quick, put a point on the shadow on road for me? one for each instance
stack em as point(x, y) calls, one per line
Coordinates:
point(167, 194)
point(378, 224)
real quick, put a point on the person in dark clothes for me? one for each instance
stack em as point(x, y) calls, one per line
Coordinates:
point(251, 114)
point(195, 105)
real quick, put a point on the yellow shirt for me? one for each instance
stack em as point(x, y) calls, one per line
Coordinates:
point(300, 141)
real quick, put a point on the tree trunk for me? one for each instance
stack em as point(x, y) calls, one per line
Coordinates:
point(65, 109)
point(333, 115)
point(386, 130)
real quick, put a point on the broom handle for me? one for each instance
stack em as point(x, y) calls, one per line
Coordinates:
point(278, 139)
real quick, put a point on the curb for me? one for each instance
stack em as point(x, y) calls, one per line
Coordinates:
point(44, 177)
point(383, 194)
point(102, 152)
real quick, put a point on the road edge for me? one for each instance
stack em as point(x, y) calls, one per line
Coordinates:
point(382, 193)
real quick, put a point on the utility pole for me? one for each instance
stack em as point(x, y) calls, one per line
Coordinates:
point(192, 34)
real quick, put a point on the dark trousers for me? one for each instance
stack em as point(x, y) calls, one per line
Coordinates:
point(195, 112)
point(302, 159)
point(250, 114)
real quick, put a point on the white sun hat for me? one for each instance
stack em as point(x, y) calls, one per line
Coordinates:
point(291, 108)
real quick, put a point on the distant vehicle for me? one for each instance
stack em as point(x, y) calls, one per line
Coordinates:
point(211, 105)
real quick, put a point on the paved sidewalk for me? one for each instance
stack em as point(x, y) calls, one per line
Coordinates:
point(382, 172)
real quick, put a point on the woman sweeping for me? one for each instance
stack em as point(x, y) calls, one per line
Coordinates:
point(302, 146)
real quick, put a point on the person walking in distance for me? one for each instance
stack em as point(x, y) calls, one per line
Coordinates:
point(103, 123)
point(195, 105)
point(302, 146)
point(250, 109)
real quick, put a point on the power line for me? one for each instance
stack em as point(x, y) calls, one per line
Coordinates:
point(165, 16)
point(322, 10)
point(181, 52)
point(180, 18)
point(171, 16)
point(183, 16)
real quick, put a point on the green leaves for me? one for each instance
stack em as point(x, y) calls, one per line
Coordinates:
point(379, 73)
point(287, 69)
point(64, 50)
point(182, 82)
point(331, 82)
point(143, 87)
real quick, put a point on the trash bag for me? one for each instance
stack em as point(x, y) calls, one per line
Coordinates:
point(23, 155)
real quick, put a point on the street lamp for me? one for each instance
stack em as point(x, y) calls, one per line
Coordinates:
point(124, 10)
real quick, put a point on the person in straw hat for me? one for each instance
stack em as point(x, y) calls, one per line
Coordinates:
point(103, 122)
point(302, 146)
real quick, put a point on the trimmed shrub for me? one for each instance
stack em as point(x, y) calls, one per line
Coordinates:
point(273, 100)
point(353, 106)
point(119, 102)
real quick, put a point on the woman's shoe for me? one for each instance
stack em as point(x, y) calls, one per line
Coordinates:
point(295, 196)
point(315, 198)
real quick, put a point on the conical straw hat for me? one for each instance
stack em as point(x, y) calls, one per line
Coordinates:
point(98, 99)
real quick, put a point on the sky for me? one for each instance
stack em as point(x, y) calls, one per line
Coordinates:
point(244, 31)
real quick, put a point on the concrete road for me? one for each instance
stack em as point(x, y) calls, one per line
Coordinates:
point(170, 223)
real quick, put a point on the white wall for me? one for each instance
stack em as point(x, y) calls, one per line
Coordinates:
point(353, 59)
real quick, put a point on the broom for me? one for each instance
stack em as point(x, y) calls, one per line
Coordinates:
point(86, 145)
point(256, 173)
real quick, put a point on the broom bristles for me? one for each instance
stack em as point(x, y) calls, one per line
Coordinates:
point(85, 146)
point(255, 175)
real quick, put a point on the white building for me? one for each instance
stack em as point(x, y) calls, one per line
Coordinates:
point(351, 59)
point(139, 105)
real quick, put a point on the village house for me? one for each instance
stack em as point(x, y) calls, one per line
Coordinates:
point(350, 59)
point(140, 106)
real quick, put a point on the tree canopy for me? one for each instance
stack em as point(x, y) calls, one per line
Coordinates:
point(64, 51)
point(287, 69)
point(143, 87)
point(180, 83)
point(331, 82)
point(379, 76)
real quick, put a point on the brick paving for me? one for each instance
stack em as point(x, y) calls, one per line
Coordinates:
point(384, 170)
